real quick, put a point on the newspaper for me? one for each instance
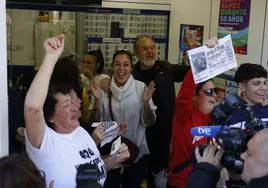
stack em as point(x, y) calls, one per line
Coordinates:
point(207, 63)
point(111, 129)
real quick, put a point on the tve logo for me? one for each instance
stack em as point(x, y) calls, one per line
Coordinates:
point(204, 131)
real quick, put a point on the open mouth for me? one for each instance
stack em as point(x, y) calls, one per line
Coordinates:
point(74, 117)
point(260, 95)
point(212, 103)
point(121, 75)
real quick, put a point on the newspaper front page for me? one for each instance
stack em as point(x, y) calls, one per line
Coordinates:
point(207, 63)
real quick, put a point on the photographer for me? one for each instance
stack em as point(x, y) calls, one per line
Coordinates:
point(255, 172)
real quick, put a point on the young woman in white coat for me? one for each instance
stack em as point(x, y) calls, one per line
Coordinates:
point(129, 102)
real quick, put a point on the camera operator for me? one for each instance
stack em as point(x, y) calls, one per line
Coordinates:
point(251, 79)
point(206, 172)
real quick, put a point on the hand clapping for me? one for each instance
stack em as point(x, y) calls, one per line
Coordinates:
point(148, 92)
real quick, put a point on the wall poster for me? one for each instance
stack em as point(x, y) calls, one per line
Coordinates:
point(191, 36)
point(234, 20)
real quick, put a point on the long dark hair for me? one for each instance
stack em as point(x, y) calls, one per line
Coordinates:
point(99, 60)
point(67, 71)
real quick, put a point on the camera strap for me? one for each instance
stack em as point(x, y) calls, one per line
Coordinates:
point(179, 167)
point(110, 106)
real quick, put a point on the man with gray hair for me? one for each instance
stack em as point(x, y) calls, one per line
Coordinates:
point(163, 74)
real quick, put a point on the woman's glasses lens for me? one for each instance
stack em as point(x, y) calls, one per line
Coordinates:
point(209, 92)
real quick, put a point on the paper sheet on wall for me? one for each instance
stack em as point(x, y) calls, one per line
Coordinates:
point(207, 63)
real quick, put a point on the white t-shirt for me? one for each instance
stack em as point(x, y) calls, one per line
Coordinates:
point(60, 155)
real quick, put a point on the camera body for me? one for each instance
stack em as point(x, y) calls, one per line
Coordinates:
point(87, 176)
point(234, 140)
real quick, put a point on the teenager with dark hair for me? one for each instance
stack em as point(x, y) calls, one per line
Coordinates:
point(251, 80)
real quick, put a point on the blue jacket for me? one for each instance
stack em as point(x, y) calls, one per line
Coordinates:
point(239, 117)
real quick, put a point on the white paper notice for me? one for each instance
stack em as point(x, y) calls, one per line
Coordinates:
point(111, 130)
point(207, 63)
point(116, 145)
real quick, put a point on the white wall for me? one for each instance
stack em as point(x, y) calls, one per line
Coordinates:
point(206, 12)
point(3, 83)
point(26, 35)
point(256, 26)
point(194, 12)
point(265, 41)
point(21, 37)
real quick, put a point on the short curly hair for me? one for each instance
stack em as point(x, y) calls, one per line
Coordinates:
point(51, 101)
point(248, 71)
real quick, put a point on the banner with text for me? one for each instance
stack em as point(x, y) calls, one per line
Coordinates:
point(234, 20)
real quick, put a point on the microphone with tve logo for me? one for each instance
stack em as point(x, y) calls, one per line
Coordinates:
point(207, 131)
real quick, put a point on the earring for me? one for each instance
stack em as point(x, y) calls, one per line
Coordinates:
point(51, 121)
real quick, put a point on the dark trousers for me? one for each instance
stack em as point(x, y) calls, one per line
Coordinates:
point(150, 180)
point(131, 177)
point(171, 186)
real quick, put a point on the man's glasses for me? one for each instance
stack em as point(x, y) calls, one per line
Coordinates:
point(210, 92)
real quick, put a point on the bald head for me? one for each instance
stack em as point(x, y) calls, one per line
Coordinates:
point(261, 139)
point(255, 157)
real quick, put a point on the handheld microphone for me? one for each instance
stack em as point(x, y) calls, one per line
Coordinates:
point(207, 131)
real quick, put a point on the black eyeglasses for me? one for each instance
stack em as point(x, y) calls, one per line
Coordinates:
point(210, 92)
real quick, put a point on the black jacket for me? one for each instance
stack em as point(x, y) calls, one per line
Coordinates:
point(259, 182)
point(206, 175)
point(158, 136)
point(203, 175)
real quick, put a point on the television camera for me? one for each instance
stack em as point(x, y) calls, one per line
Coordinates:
point(87, 176)
point(234, 139)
